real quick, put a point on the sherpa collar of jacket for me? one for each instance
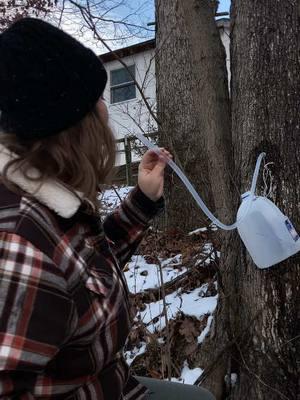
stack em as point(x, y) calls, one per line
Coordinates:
point(51, 193)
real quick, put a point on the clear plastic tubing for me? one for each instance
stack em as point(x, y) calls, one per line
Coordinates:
point(193, 192)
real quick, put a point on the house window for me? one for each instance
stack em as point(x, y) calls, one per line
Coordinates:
point(122, 87)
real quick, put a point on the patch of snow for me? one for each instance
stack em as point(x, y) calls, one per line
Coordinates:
point(141, 276)
point(188, 303)
point(200, 261)
point(234, 378)
point(188, 376)
point(213, 227)
point(207, 248)
point(110, 199)
point(203, 290)
point(206, 330)
point(197, 231)
point(173, 261)
point(130, 355)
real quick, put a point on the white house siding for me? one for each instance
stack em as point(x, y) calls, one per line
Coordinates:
point(225, 37)
point(129, 116)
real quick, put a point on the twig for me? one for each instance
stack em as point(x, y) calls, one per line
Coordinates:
point(61, 13)
point(291, 340)
point(165, 313)
point(116, 192)
point(89, 20)
point(174, 283)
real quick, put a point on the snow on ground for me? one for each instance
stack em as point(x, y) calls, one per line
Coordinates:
point(136, 351)
point(110, 199)
point(207, 254)
point(211, 227)
point(206, 330)
point(188, 376)
point(188, 303)
point(199, 230)
point(141, 276)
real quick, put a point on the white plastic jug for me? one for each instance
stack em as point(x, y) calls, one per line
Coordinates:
point(267, 233)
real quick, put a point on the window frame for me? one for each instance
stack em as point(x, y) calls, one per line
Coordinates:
point(122, 85)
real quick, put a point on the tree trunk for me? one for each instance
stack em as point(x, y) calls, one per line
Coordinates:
point(265, 117)
point(179, 113)
point(257, 324)
point(207, 55)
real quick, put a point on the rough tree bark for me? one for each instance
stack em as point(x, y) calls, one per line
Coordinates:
point(207, 56)
point(265, 116)
point(257, 324)
point(179, 114)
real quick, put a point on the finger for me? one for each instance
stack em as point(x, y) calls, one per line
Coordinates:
point(151, 154)
point(157, 152)
point(159, 167)
point(166, 153)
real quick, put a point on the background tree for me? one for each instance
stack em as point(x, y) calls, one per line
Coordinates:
point(105, 24)
point(207, 56)
point(116, 22)
point(257, 324)
point(11, 10)
point(179, 112)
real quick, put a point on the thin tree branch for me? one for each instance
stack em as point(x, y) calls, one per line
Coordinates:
point(89, 20)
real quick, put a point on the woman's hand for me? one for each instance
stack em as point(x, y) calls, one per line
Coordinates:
point(151, 173)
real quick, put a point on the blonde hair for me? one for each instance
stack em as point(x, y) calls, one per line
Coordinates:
point(81, 157)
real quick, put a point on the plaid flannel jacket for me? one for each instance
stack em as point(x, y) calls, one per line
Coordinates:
point(64, 307)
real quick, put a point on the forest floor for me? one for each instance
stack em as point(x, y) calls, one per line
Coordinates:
point(173, 284)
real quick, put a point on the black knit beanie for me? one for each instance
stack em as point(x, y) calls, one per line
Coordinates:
point(48, 80)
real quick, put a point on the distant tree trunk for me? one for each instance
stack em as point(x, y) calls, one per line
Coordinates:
point(207, 55)
point(179, 112)
point(266, 117)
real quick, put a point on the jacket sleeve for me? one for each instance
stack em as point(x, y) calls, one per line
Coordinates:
point(126, 226)
point(34, 317)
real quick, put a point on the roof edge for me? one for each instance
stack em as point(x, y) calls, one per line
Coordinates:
point(128, 51)
point(222, 23)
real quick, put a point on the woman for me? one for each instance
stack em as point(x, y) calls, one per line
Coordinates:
point(64, 307)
